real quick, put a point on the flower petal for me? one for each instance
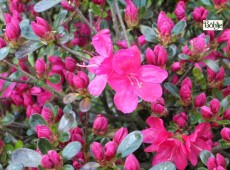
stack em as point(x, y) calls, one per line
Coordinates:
point(97, 85)
point(151, 73)
point(150, 92)
point(118, 82)
point(126, 101)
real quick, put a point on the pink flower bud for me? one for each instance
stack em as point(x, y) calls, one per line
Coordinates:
point(47, 114)
point(199, 14)
point(220, 3)
point(97, 150)
point(220, 160)
point(141, 40)
point(198, 45)
point(120, 135)
point(175, 79)
point(227, 114)
point(186, 51)
point(215, 105)
point(51, 160)
point(180, 119)
point(40, 67)
point(131, 163)
point(70, 63)
point(66, 5)
point(200, 100)
point(35, 91)
point(180, 10)
point(2, 43)
point(110, 150)
point(185, 95)
point(175, 67)
point(30, 110)
point(215, 80)
point(187, 81)
point(43, 131)
point(17, 99)
point(206, 112)
point(15, 5)
point(99, 2)
point(131, 14)
point(12, 30)
point(225, 133)
point(27, 99)
point(164, 24)
point(158, 56)
point(100, 125)
point(42, 29)
point(211, 34)
point(158, 107)
point(81, 80)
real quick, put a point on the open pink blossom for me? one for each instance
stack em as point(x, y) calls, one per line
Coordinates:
point(129, 79)
point(101, 64)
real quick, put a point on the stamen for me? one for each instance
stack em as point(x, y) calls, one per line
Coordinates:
point(133, 79)
point(86, 66)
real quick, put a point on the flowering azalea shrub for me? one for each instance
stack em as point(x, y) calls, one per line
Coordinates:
point(116, 84)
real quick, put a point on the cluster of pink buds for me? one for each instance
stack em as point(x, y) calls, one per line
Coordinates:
point(186, 92)
point(100, 125)
point(212, 111)
point(180, 119)
point(217, 163)
point(220, 4)
point(158, 107)
point(199, 14)
point(51, 160)
point(215, 80)
point(131, 14)
point(164, 26)
point(42, 29)
point(158, 56)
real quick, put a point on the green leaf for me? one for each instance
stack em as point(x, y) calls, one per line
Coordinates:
point(27, 48)
point(26, 157)
point(64, 137)
point(26, 30)
point(183, 56)
point(67, 108)
point(205, 155)
point(140, 3)
point(90, 166)
point(110, 2)
point(7, 119)
point(226, 81)
point(172, 89)
point(18, 144)
point(130, 143)
point(67, 122)
point(36, 119)
point(202, 168)
point(206, 2)
point(44, 145)
point(164, 166)
point(223, 122)
point(55, 78)
point(96, 9)
point(212, 65)
point(179, 27)
point(45, 4)
point(60, 18)
point(67, 167)
point(71, 150)
point(225, 104)
point(69, 98)
point(172, 50)
point(149, 33)
point(4, 52)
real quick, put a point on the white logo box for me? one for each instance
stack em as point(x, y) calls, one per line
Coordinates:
point(213, 25)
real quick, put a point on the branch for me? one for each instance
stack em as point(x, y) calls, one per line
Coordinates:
point(115, 24)
point(16, 80)
point(185, 74)
point(85, 20)
point(122, 23)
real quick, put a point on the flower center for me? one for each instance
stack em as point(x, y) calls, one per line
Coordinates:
point(133, 80)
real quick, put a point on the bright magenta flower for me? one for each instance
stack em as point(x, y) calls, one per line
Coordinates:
point(101, 64)
point(198, 141)
point(129, 79)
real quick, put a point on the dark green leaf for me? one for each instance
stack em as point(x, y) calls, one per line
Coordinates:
point(226, 81)
point(44, 145)
point(7, 120)
point(64, 137)
point(26, 157)
point(4, 52)
point(67, 108)
point(36, 119)
point(55, 78)
point(60, 18)
point(149, 33)
point(172, 89)
point(206, 2)
point(202, 168)
point(26, 30)
point(225, 104)
point(172, 50)
point(130, 143)
point(27, 48)
point(217, 94)
point(223, 122)
point(45, 4)
point(18, 144)
point(212, 65)
point(179, 27)
point(183, 56)
point(164, 166)
point(205, 155)
point(67, 167)
point(96, 9)
point(140, 3)
point(67, 122)
point(71, 150)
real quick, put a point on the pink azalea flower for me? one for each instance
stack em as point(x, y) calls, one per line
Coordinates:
point(101, 64)
point(198, 141)
point(129, 79)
